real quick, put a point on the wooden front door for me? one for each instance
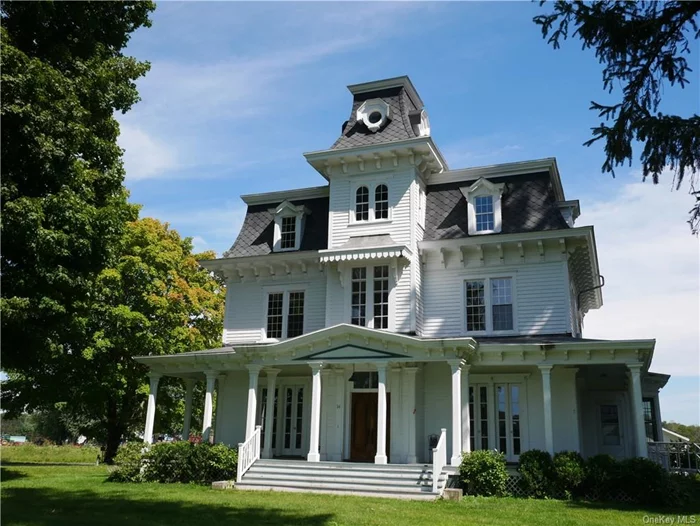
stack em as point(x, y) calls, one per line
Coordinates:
point(363, 427)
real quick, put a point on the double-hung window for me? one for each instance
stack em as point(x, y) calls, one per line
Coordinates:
point(285, 314)
point(371, 203)
point(489, 305)
point(370, 284)
point(288, 231)
point(483, 205)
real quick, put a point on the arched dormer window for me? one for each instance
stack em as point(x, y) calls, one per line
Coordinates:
point(362, 204)
point(381, 202)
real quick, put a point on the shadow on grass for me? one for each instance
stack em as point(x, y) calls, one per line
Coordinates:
point(43, 507)
point(10, 474)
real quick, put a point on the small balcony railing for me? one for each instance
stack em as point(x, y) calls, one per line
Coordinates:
point(676, 456)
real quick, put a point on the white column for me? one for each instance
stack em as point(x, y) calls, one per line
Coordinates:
point(380, 457)
point(208, 405)
point(251, 414)
point(189, 389)
point(546, 371)
point(409, 392)
point(314, 455)
point(339, 414)
point(466, 429)
point(151, 409)
point(456, 366)
point(640, 436)
point(269, 411)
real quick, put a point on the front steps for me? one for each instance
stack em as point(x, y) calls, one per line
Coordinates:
point(402, 481)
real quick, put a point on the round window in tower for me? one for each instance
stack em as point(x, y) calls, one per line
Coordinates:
point(375, 117)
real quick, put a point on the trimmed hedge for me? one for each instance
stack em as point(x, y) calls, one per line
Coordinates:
point(484, 473)
point(537, 474)
point(171, 462)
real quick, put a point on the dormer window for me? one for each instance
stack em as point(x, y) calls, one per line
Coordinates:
point(483, 207)
point(371, 203)
point(289, 224)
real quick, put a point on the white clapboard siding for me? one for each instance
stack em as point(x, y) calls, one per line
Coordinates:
point(245, 305)
point(541, 297)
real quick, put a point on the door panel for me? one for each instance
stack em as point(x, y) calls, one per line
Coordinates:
point(293, 420)
point(363, 426)
point(610, 428)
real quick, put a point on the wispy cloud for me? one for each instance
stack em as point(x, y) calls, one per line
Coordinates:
point(474, 151)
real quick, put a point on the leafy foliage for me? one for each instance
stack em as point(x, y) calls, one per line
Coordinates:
point(484, 473)
point(601, 475)
point(128, 463)
point(569, 470)
point(690, 432)
point(537, 473)
point(642, 45)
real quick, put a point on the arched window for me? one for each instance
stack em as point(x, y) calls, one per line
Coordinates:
point(362, 204)
point(381, 202)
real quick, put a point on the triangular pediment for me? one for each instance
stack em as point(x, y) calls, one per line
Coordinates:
point(348, 352)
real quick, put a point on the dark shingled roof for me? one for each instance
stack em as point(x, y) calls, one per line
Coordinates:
point(528, 204)
point(355, 134)
point(257, 233)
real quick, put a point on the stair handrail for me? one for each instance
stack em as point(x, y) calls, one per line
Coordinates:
point(248, 453)
point(439, 458)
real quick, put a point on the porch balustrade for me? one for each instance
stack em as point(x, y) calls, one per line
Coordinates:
point(248, 453)
point(439, 458)
point(676, 456)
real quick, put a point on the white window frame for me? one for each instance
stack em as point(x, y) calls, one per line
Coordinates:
point(285, 290)
point(489, 304)
point(369, 294)
point(287, 209)
point(372, 188)
point(483, 187)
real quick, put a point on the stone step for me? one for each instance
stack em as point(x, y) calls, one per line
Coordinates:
point(360, 493)
point(303, 464)
point(313, 485)
point(345, 478)
point(412, 475)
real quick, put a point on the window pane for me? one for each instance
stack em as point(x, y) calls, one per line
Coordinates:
point(362, 204)
point(610, 425)
point(484, 416)
point(476, 306)
point(295, 319)
point(274, 315)
point(381, 297)
point(359, 296)
point(502, 304)
point(288, 232)
point(381, 202)
point(483, 206)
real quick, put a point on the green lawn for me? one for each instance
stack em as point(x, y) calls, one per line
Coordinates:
point(74, 495)
point(31, 454)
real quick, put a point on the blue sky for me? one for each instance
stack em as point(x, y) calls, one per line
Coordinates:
point(238, 91)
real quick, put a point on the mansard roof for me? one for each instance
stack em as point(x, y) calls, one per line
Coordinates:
point(528, 204)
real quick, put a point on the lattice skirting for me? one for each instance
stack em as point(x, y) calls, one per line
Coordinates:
point(515, 488)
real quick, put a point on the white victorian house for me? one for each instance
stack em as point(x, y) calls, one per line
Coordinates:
point(405, 312)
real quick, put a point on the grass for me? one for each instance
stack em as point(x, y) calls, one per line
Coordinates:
point(32, 454)
point(75, 495)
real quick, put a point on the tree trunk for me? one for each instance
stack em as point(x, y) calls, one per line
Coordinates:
point(114, 433)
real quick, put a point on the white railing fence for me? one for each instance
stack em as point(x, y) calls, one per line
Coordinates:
point(248, 453)
point(675, 456)
point(439, 458)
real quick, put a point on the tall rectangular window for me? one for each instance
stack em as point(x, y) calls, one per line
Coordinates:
point(476, 306)
point(288, 232)
point(381, 202)
point(362, 204)
point(649, 418)
point(359, 296)
point(502, 304)
point(285, 314)
point(381, 297)
point(483, 207)
point(274, 314)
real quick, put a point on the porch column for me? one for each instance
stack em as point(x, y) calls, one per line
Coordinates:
point(314, 455)
point(409, 393)
point(456, 366)
point(466, 425)
point(208, 405)
point(269, 411)
point(640, 436)
point(380, 457)
point(546, 371)
point(253, 372)
point(189, 389)
point(151, 409)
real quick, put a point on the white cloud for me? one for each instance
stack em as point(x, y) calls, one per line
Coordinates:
point(650, 263)
point(144, 155)
point(480, 151)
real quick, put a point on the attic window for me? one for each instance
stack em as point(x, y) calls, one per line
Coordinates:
point(374, 113)
point(289, 226)
point(289, 232)
point(375, 117)
point(483, 207)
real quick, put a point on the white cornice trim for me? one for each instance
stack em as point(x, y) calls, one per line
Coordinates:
point(579, 231)
point(282, 195)
point(394, 82)
point(548, 164)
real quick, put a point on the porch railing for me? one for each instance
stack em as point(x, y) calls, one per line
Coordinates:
point(439, 458)
point(676, 456)
point(248, 453)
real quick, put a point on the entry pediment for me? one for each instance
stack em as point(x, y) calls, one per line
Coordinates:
point(349, 352)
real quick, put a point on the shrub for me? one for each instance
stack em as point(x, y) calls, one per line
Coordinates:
point(213, 462)
point(168, 462)
point(128, 463)
point(484, 473)
point(645, 482)
point(570, 472)
point(537, 473)
point(600, 476)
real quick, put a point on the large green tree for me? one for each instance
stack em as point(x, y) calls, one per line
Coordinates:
point(642, 45)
